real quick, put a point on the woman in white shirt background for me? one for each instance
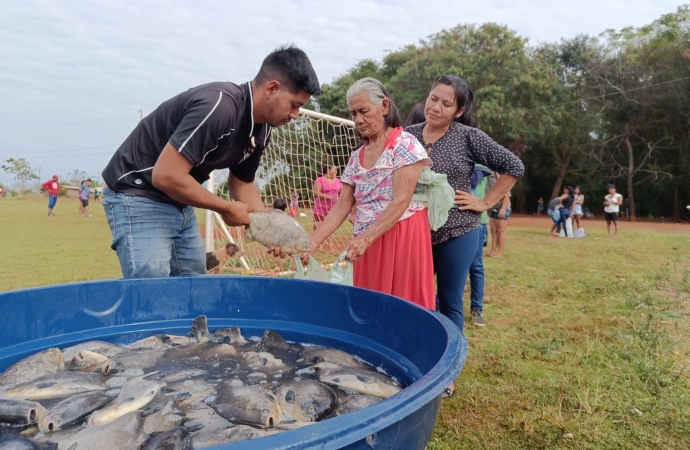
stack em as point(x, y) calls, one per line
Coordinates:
point(612, 203)
point(577, 207)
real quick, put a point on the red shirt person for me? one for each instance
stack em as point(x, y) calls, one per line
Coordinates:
point(53, 188)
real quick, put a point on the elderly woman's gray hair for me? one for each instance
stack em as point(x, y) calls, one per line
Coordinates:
point(377, 92)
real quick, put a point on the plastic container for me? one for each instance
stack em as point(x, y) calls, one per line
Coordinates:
point(421, 348)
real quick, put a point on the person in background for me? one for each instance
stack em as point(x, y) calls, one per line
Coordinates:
point(391, 245)
point(498, 220)
point(52, 187)
point(540, 206)
point(415, 116)
point(626, 208)
point(479, 181)
point(326, 191)
point(84, 192)
point(567, 203)
point(294, 201)
point(96, 194)
point(552, 211)
point(578, 201)
point(612, 203)
point(455, 144)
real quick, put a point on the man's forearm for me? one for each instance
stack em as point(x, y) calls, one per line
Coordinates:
point(188, 191)
point(245, 192)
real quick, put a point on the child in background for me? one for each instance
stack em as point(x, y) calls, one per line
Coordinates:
point(612, 203)
point(294, 197)
point(540, 206)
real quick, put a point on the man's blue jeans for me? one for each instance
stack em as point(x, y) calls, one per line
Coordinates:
point(452, 260)
point(477, 273)
point(153, 239)
point(52, 200)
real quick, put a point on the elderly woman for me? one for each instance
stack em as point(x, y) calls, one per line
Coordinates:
point(455, 145)
point(391, 248)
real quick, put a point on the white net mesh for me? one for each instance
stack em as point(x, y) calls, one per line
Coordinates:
point(297, 155)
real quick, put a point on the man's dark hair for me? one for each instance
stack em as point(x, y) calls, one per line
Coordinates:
point(280, 204)
point(611, 186)
point(292, 68)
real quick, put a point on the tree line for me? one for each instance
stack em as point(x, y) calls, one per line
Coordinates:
point(588, 111)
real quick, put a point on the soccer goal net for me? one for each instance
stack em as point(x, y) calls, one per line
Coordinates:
point(298, 154)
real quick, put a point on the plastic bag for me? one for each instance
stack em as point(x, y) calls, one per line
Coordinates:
point(433, 189)
point(579, 233)
point(337, 275)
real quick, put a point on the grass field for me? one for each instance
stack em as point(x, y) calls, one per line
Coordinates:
point(586, 344)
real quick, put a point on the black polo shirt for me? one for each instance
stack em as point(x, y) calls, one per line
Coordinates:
point(211, 125)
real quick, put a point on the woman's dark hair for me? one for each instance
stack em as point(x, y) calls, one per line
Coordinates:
point(280, 204)
point(415, 116)
point(611, 186)
point(578, 188)
point(464, 98)
point(571, 191)
point(326, 167)
point(377, 90)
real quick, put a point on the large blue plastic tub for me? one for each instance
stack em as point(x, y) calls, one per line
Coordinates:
point(420, 348)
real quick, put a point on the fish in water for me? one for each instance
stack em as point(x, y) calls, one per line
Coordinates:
point(233, 335)
point(354, 403)
point(365, 382)
point(72, 410)
point(318, 354)
point(17, 413)
point(200, 329)
point(101, 347)
point(125, 433)
point(168, 416)
point(17, 442)
point(135, 394)
point(220, 436)
point(32, 367)
point(156, 341)
point(274, 228)
point(272, 341)
point(250, 405)
point(262, 360)
point(61, 384)
point(307, 400)
point(86, 359)
point(173, 439)
point(144, 359)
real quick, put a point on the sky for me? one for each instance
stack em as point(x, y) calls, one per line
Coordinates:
point(75, 74)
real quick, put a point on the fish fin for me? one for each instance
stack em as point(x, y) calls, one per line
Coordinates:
point(194, 427)
point(365, 379)
point(148, 411)
point(248, 235)
point(73, 446)
point(199, 327)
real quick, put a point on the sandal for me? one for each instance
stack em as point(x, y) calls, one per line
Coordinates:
point(448, 393)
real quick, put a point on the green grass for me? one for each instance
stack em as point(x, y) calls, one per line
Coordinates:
point(582, 335)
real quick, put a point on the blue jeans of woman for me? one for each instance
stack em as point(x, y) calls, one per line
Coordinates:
point(565, 213)
point(153, 239)
point(452, 260)
point(477, 273)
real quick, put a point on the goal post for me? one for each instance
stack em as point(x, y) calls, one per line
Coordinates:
point(296, 156)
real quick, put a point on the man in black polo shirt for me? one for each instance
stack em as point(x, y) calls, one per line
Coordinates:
point(154, 178)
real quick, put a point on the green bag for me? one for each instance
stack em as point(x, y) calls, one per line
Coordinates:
point(433, 189)
point(337, 275)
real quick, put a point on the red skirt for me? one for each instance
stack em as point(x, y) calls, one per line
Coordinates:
point(400, 263)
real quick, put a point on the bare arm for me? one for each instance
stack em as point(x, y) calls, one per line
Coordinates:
point(246, 193)
point(404, 182)
point(336, 216)
point(469, 202)
point(581, 200)
point(171, 175)
point(319, 194)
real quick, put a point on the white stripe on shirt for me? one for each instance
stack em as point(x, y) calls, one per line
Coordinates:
point(220, 96)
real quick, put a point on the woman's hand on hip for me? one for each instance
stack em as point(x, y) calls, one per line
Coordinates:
point(469, 202)
point(356, 247)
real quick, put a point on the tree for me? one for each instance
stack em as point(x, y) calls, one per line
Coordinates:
point(21, 170)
